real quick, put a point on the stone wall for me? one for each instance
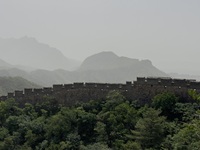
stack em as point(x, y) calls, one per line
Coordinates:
point(142, 90)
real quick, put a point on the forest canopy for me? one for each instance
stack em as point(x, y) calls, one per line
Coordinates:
point(116, 123)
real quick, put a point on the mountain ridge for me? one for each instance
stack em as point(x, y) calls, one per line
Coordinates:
point(114, 70)
point(34, 54)
point(105, 60)
point(10, 84)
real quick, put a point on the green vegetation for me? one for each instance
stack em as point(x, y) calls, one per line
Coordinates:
point(114, 123)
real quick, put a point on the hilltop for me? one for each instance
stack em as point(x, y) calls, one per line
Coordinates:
point(29, 52)
point(108, 67)
point(102, 67)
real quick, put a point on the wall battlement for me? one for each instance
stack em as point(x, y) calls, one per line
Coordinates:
point(143, 89)
point(166, 81)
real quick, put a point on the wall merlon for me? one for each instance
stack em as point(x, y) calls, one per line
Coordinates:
point(77, 91)
point(18, 93)
point(78, 85)
point(28, 91)
point(141, 80)
point(10, 95)
point(58, 87)
point(128, 83)
point(3, 98)
point(68, 86)
point(38, 91)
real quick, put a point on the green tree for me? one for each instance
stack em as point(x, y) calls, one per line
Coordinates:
point(95, 146)
point(185, 111)
point(166, 102)
point(188, 138)
point(150, 129)
point(7, 108)
point(86, 124)
point(194, 95)
point(58, 126)
point(116, 120)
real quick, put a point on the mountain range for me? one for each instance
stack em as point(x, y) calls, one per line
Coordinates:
point(45, 66)
point(28, 53)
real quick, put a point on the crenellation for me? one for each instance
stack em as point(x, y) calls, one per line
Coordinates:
point(152, 81)
point(128, 83)
point(141, 80)
point(58, 87)
point(28, 91)
point(143, 90)
point(19, 93)
point(10, 95)
point(2, 98)
point(78, 85)
point(47, 90)
point(38, 91)
point(68, 86)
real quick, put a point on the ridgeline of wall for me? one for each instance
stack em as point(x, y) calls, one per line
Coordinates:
point(142, 90)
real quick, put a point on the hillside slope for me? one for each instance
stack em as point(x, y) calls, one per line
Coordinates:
point(4, 65)
point(10, 84)
point(108, 67)
point(103, 67)
point(28, 51)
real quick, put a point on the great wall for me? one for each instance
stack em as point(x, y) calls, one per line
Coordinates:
point(143, 89)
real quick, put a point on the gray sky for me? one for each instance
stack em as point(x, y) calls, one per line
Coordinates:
point(165, 31)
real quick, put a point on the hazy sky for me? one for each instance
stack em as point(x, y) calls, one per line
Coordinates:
point(165, 31)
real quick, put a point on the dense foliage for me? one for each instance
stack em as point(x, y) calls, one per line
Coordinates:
point(114, 123)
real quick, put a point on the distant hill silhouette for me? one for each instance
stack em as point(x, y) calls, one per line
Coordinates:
point(185, 76)
point(29, 52)
point(10, 84)
point(107, 66)
point(106, 61)
point(4, 65)
point(104, 67)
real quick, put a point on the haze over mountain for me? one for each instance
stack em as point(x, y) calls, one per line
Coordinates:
point(28, 53)
point(102, 67)
point(106, 61)
point(10, 84)
point(185, 76)
point(4, 65)
point(107, 66)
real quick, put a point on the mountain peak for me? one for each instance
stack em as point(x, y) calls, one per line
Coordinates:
point(27, 50)
point(102, 60)
point(108, 60)
point(104, 54)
